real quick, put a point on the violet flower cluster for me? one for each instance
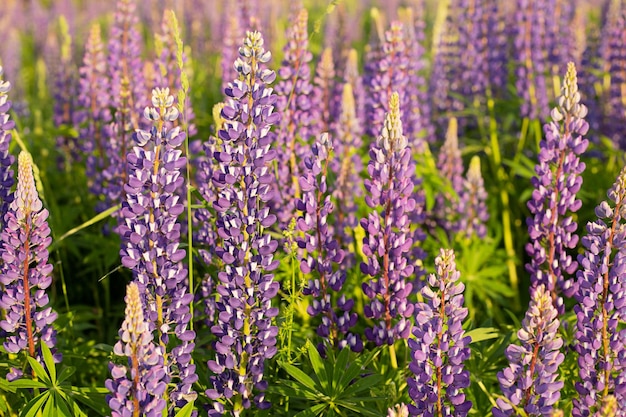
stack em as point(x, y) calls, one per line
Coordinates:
point(440, 346)
point(448, 210)
point(386, 71)
point(346, 166)
point(6, 159)
point(473, 200)
point(530, 382)
point(419, 127)
point(138, 386)
point(324, 91)
point(296, 103)
point(530, 57)
point(93, 116)
point(599, 340)
point(25, 272)
point(616, 63)
point(552, 228)
point(324, 254)
point(245, 334)
point(151, 239)
point(127, 92)
point(64, 89)
point(387, 240)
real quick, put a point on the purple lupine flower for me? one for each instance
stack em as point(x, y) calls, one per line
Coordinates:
point(246, 335)
point(232, 38)
point(560, 38)
point(64, 91)
point(137, 387)
point(386, 71)
point(347, 165)
point(295, 103)
point(530, 57)
point(128, 99)
point(599, 341)
point(440, 346)
point(323, 251)
point(530, 381)
point(448, 210)
point(6, 159)
point(151, 238)
point(497, 49)
point(419, 126)
point(473, 200)
point(324, 82)
point(616, 63)
point(25, 272)
point(92, 116)
point(552, 228)
point(206, 237)
point(387, 239)
point(444, 71)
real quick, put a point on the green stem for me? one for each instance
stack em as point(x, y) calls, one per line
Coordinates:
point(392, 356)
point(504, 198)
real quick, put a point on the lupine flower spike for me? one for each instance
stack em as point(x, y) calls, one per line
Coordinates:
point(93, 116)
point(26, 273)
point(6, 159)
point(387, 240)
point(530, 382)
point(323, 251)
point(473, 201)
point(299, 112)
point(138, 386)
point(600, 343)
point(440, 346)
point(151, 238)
point(244, 329)
point(552, 228)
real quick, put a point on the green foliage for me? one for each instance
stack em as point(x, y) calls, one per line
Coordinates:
point(339, 385)
point(50, 394)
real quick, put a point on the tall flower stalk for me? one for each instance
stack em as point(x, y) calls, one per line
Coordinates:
point(244, 329)
point(387, 239)
point(137, 388)
point(6, 159)
point(600, 343)
point(151, 239)
point(530, 382)
point(92, 117)
point(552, 228)
point(25, 272)
point(296, 102)
point(323, 251)
point(440, 346)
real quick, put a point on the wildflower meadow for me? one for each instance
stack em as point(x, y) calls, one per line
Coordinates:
point(377, 208)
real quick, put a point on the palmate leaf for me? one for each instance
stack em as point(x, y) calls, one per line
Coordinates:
point(335, 386)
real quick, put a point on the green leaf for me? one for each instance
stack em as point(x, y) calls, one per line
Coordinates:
point(185, 411)
point(49, 409)
point(299, 376)
point(66, 372)
point(313, 411)
point(27, 384)
point(340, 368)
point(100, 216)
point(483, 333)
point(39, 371)
point(318, 366)
point(362, 385)
point(34, 405)
point(49, 361)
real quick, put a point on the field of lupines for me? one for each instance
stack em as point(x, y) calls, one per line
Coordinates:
point(313, 208)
